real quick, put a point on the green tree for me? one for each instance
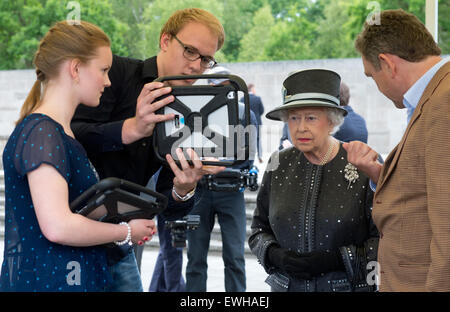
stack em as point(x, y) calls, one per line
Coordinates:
point(358, 12)
point(281, 8)
point(24, 23)
point(159, 11)
point(444, 26)
point(237, 21)
point(253, 43)
point(255, 30)
point(13, 17)
point(333, 39)
point(291, 37)
point(131, 14)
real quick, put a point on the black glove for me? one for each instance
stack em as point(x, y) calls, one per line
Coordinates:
point(306, 265)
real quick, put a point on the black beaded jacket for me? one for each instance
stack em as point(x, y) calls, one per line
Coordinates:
point(306, 207)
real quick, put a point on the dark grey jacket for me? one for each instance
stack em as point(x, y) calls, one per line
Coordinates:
point(306, 207)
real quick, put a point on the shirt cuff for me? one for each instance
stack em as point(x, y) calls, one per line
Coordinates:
point(112, 133)
point(373, 185)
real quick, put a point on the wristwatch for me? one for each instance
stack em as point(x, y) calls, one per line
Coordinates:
point(185, 197)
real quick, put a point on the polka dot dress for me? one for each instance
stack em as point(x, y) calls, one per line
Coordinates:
point(31, 262)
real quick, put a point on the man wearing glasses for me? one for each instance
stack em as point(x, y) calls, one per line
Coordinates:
point(117, 134)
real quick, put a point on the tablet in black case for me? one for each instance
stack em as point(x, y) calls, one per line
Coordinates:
point(206, 120)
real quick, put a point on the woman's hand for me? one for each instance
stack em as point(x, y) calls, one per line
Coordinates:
point(142, 230)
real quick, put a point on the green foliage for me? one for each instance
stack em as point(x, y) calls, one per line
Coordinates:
point(256, 30)
point(24, 23)
point(253, 42)
point(444, 26)
point(158, 12)
point(129, 14)
point(358, 13)
point(282, 8)
point(334, 39)
point(291, 37)
point(237, 20)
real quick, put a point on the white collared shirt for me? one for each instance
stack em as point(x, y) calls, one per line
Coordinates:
point(412, 97)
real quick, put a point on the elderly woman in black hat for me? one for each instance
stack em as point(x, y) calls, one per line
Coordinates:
point(312, 228)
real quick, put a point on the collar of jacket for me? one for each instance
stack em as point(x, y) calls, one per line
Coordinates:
point(150, 69)
point(394, 155)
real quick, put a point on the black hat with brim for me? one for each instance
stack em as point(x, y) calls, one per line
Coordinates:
point(309, 88)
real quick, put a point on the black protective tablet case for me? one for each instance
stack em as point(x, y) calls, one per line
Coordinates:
point(203, 114)
point(121, 200)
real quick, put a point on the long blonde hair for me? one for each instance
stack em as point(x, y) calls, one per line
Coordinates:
point(64, 41)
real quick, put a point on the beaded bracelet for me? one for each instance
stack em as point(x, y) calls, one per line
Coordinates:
point(127, 240)
point(185, 197)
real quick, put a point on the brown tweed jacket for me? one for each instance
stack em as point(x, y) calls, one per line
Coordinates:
point(412, 200)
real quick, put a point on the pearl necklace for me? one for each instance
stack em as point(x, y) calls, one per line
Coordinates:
point(327, 155)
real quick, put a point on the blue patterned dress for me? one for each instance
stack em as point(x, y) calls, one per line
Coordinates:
point(31, 262)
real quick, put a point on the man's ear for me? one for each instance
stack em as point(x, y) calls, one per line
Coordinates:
point(164, 41)
point(387, 62)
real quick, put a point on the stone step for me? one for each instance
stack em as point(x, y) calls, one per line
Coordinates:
point(2, 193)
point(216, 236)
point(216, 233)
point(248, 210)
point(2, 196)
point(215, 245)
point(215, 242)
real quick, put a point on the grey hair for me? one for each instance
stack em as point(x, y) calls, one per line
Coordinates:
point(284, 115)
point(335, 116)
point(344, 94)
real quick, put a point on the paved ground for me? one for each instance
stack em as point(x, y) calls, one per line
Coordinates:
point(255, 273)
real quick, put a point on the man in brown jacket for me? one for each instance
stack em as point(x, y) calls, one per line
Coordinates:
point(412, 199)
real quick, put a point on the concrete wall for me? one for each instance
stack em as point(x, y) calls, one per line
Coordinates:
point(14, 88)
point(385, 123)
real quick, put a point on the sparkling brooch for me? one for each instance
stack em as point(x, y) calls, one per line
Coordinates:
point(351, 174)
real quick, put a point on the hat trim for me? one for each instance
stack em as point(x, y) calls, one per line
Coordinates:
point(274, 114)
point(303, 96)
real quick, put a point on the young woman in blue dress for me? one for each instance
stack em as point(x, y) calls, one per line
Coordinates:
point(47, 246)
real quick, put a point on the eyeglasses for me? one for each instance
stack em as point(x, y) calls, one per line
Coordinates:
point(192, 54)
